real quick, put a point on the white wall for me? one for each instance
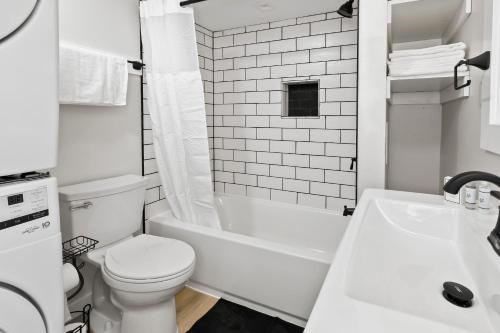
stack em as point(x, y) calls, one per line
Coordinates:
point(98, 142)
point(462, 119)
point(414, 148)
point(371, 94)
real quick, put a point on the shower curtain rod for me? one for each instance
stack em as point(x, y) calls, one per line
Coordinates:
point(186, 2)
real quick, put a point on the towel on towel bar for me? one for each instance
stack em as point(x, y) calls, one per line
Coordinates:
point(89, 77)
point(429, 50)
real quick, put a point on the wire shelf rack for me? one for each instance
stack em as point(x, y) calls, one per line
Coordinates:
point(83, 320)
point(77, 246)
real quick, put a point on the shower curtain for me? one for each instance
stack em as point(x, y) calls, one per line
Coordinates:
point(176, 104)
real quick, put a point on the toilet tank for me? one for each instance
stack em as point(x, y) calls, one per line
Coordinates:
point(106, 210)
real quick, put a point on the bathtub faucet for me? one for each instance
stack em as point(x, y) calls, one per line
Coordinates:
point(454, 185)
point(348, 211)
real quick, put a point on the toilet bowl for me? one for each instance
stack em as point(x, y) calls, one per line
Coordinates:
point(144, 274)
point(138, 277)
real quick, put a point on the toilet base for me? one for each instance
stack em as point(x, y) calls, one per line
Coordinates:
point(155, 312)
point(157, 319)
point(100, 322)
point(104, 317)
point(147, 312)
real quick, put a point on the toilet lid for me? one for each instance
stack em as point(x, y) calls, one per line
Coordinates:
point(148, 257)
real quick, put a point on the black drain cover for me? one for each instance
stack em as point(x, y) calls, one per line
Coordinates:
point(458, 294)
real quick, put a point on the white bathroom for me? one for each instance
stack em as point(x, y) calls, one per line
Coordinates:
point(278, 166)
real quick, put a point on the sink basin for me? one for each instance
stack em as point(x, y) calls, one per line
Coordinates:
point(397, 252)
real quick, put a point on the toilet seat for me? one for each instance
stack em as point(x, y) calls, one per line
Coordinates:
point(147, 263)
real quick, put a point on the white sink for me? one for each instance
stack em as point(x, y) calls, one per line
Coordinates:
point(389, 270)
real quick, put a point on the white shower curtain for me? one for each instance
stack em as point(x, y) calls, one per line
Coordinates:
point(177, 107)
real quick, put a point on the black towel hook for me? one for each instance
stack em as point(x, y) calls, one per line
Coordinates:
point(482, 61)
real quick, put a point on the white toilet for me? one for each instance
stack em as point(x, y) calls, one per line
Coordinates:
point(139, 276)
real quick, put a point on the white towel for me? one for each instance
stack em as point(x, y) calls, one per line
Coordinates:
point(459, 54)
point(398, 69)
point(429, 50)
point(421, 65)
point(90, 77)
point(415, 71)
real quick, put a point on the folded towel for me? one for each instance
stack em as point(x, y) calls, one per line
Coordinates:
point(90, 77)
point(428, 50)
point(459, 54)
point(415, 71)
point(421, 65)
point(405, 70)
point(435, 62)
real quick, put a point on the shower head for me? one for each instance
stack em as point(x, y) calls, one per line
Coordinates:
point(346, 9)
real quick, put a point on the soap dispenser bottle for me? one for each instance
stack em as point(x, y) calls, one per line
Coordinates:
point(471, 196)
point(484, 196)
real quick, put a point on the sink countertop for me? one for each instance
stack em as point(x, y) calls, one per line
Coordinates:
point(397, 252)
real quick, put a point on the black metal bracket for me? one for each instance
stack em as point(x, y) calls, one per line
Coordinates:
point(137, 65)
point(348, 211)
point(455, 77)
point(482, 61)
point(353, 160)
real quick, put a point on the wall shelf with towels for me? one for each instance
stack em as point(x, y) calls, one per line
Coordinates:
point(424, 23)
point(425, 89)
point(417, 20)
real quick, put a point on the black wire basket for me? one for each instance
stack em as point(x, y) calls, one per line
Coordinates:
point(77, 246)
point(82, 317)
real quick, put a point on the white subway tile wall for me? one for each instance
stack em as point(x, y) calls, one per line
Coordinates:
point(304, 161)
point(255, 151)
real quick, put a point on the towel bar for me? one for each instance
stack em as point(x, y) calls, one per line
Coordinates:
point(482, 61)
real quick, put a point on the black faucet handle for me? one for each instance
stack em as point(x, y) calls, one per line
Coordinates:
point(495, 194)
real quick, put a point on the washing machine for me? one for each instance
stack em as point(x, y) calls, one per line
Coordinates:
point(31, 286)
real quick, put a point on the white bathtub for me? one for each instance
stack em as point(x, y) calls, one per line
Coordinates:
point(270, 254)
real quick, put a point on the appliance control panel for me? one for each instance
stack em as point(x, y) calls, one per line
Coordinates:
point(23, 207)
point(29, 211)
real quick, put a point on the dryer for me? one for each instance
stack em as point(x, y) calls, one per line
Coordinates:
point(29, 108)
point(31, 292)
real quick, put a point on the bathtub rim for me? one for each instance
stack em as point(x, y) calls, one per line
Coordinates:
point(166, 218)
point(267, 202)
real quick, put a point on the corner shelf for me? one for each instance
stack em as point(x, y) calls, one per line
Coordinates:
point(425, 89)
point(418, 20)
